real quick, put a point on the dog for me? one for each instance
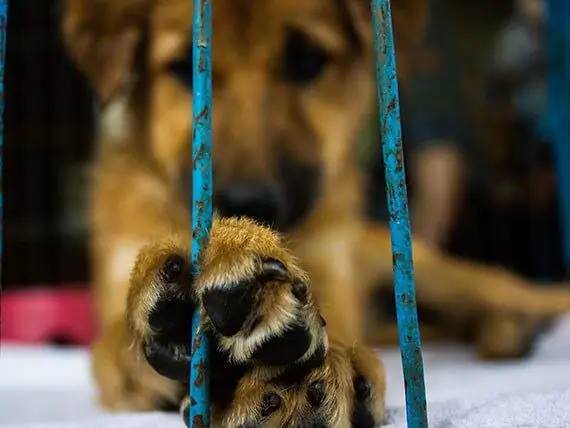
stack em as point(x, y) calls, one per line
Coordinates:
point(284, 296)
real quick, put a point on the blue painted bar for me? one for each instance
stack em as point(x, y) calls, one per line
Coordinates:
point(557, 119)
point(400, 230)
point(3, 35)
point(201, 198)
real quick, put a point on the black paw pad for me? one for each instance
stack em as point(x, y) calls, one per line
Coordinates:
point(271, 403)
point(273, 270)
point(171, 361)
point(173, 267)
point(229, 308)
point(362, 390)
point(362, 417)
point(284, 349)
point(316, 393)
point(171, 317)
point(297, 373)
point(300, 292)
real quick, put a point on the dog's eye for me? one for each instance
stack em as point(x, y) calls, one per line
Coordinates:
point(182, 69)
point(303, 59)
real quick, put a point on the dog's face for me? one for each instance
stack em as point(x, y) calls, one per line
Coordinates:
point(292, 83)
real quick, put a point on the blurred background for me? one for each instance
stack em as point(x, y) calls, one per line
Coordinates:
point(482, 176)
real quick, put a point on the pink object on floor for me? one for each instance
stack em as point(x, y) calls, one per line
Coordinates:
point(44, 315)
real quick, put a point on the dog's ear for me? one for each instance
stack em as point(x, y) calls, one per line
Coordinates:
point(409, 18)
point(101, 37)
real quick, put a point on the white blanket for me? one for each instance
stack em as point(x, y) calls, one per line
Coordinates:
point(49, 388)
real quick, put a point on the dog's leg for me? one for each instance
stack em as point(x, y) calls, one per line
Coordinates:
point(127, 383)
point(341, 304)
point(449, 283)
point(452, 285)
point(504, 335)
point(131, 205)
point(260, 310)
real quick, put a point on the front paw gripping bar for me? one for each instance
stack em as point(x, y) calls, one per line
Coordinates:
point(202, 211)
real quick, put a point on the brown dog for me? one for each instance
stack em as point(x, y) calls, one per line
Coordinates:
point(293, 84)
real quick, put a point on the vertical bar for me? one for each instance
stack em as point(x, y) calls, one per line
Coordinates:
point(557, 120)
point(3, 35)
point(396, 193)
point(201, 198)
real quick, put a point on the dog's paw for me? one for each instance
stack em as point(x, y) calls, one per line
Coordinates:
point(255, 300)
point(160, 305)
point(255, 297)
point(345, 388)
point(506, 336)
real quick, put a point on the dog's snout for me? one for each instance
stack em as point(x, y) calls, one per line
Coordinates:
point(256, 201)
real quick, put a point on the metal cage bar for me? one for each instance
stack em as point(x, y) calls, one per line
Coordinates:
point(400, 230)
point(202, 211)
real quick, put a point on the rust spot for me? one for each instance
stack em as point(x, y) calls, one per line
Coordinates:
point(196, 343)
point(418, 354)
point(201, 65)
point(199, 156)
point(399, 160)
point(198, 422)
point(391, 106)
point(203, 114)
point(196, 232)
point(398, 257)
point(200, 379)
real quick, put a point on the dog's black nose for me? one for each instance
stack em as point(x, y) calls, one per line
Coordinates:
point(258, 202)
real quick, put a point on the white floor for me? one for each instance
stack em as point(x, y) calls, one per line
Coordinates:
point(49, 388)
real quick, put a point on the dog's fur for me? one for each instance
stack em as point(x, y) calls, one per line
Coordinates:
point(293, 84)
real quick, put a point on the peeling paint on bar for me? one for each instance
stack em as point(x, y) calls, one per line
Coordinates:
point(202, 211)
point(400, 230)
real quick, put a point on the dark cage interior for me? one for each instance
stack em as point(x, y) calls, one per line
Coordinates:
point(48, 128)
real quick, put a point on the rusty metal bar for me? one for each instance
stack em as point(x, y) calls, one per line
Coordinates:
point(400, 230)
point(202, 210)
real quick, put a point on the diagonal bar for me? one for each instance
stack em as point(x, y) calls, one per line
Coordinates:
point(400, 230)
point(202, 210)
